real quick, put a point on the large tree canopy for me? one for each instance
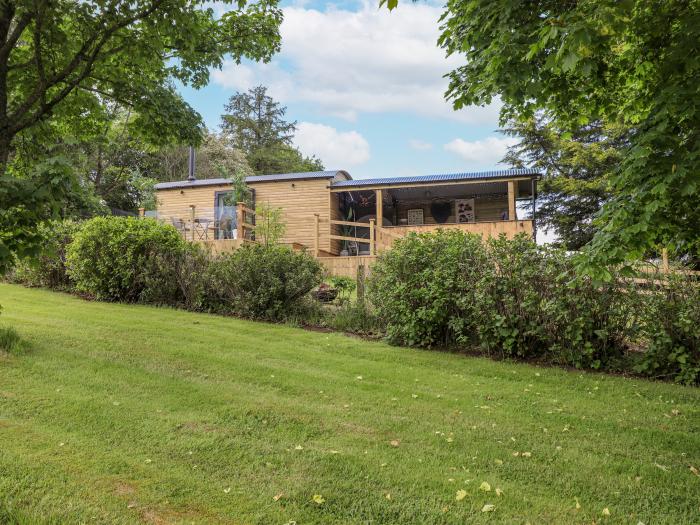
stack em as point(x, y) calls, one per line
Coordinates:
point(629, 63)
point(60, 60)
point(254, 123)
point(577, 167)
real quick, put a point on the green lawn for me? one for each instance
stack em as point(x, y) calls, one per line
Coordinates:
point(129, 414)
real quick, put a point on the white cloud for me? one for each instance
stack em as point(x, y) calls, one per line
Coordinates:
point(367, 61)
point(420, 145)
point(488, 151)
point(337, 149)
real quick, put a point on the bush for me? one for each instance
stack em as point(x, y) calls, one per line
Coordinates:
point(508, 297)
point(671, 327)
point(120, 259)
point(48, 269)
point(262, 282)
point(425, 288)
point(345, 287)
point(532, 304)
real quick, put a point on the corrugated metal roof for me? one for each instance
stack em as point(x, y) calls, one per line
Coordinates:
point(253, 178)
point(444, 177)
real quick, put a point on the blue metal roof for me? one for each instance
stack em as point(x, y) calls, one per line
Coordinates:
point(253, 178)
point(445, 177)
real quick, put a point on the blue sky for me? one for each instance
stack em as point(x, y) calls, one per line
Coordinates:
point(366, 89)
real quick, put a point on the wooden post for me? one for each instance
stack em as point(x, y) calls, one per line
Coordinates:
point(372, 249)
point(142, 213)
point(380, 218)
point(192, 214)
point(511, 201)
point(317, 233)
point(240, 230)
point(361, 283)
point(666, 268)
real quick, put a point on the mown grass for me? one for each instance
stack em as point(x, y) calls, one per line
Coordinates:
point(129, 414)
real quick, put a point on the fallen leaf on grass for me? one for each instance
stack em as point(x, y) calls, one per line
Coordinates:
point(395, 442)
point(227, 490)
point(298, 447)
point(694, 470)
point(499, 492)
point(485, 486)
point(526, 454)
point(498, 461)
point(578, 505)
point(606, 512)
point(387, 495)
point(461, 494)
point(488, 508)
point(318, 499)
point(277, 497)
point(359, 377)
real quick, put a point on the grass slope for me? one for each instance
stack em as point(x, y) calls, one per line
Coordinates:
point(129, 414)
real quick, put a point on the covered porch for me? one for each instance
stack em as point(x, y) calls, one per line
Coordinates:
point(368, 215)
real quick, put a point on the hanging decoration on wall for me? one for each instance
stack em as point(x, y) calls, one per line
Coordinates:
point(440, 210)
point(415, 216)
point(464, 210)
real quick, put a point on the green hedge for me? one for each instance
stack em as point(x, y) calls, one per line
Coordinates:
point(48, 269)
point(120, 259)
point(262, 282)
point(508, 297)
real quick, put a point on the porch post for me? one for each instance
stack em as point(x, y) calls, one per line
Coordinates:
point(192, 207)
point(511, 201)
point(240, 230)
point(380, 220)
point(372, 235)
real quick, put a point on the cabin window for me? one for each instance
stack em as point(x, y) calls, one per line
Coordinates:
point(225, 215)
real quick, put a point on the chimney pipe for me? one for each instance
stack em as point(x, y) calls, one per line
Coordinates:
point(191, 177)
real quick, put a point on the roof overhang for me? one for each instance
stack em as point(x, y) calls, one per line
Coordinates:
point(436, 180)
point(340, 175)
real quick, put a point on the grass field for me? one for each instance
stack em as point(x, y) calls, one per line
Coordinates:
point(129, 414)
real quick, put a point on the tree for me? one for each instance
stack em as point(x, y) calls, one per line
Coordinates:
point(577, 167)
point(631, 63)
point(60, 60)
point(255, 124)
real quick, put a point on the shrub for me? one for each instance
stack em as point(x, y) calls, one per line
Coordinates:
point(345, 287)
point(509, 297)
point(533, 304)
point(120, 259)
point(425, 287)
point(671, 327)
point(262, 282)
point(48, 269)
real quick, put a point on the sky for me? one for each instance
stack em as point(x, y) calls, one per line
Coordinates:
point(366, 87)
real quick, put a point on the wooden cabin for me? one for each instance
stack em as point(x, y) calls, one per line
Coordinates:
point(345, 221)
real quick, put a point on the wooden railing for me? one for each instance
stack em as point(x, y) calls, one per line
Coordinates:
point(360, 240)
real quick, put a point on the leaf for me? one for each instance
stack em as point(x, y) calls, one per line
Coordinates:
point(395, 442)
point(298, 447)
point(488, 508)
point(485, 486)
point(578, 505)
point(227, 490)
point(318, 499)
point(461, 494)
point(694, 470)
point(499, 492)
point(606, 512)
point(277, 497)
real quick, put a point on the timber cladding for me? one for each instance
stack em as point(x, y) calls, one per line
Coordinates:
point(176, 202)
point(299, 200)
